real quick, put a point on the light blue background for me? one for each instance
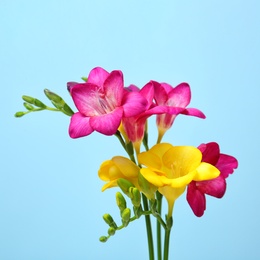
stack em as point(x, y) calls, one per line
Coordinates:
point(51, 206)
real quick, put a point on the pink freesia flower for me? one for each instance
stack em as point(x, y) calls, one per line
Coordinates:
point(180, 96)
point(102, 102)
point(134, 126)
point(216, 187)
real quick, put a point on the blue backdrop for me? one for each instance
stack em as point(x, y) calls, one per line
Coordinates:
point(51, 204)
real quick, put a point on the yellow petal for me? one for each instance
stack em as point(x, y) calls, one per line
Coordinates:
point(153, 158)
point(182, 160)
point(127, 167)
point(206, 171)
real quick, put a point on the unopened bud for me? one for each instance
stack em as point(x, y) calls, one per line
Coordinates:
point(28, 106)
point(135, 196)
point(125, 215)
point(84, 78)
point(146, 187)
point(120, 201)
point(19, 114)
point(109, 220)
point(111, 231)
point(103, 239)
point(38, 103)
point(52, 96)
point(125, 185)
point(28, 99)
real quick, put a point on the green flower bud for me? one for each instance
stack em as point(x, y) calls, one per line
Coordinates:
point(19, 114)
point(28, 106)
point(138, 211)
point(38, 103)
point(111, 231)
point(135, 196)
point(67, 110)
point(125, 185)
point(52, 96)
point(109, 220)
point(28, 99)
point(146, 187)
point(125, 215)
point(120, 201)
point(103, 239)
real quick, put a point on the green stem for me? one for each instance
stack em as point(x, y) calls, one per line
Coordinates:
point(159, 239)
point(167, 238)
point(148, 229)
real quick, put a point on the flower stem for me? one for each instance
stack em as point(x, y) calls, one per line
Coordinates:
point(148, 229)
point(159, 239)
point(167, 238)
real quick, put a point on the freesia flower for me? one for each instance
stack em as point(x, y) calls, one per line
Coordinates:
point(102, 102)
point(216, 187)
point(134, 126)
point(172, 168)
point(118, 167)
point(180, 96)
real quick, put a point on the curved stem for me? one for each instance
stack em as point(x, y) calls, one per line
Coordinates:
point(148, 229)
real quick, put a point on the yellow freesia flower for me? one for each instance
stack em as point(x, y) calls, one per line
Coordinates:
point(172, 168)
point(118, 167)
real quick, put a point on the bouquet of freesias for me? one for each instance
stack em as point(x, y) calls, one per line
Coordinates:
point(144, 178)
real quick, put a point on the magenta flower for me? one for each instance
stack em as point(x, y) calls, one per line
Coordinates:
point(178, 97)
point(134, 126)
point(216, 187)
point(102, 102)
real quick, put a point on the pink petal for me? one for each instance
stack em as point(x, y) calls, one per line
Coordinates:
point(215, 187)
point(86, 97)
point(107, 124)
point(193, 112)
point(167, 87)
point(79, 126)
point(97, 76)
point(179, 96)
point(133, 104)
point(147, 92)
point(196, 199)
point(160, 93)
point(114, 88)
point(226, 164)
point(210, 152)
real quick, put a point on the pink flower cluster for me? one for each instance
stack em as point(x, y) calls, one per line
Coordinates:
point(103, 103)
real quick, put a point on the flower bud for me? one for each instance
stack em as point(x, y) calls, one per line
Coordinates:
point(111, 231)
point(135, 196)
point(28, 106)
point(28, 99)
point(125, 185)
point(19, 114)
point(38, 103)
point(109, 220)
point(103, 239)
point(120, 201)
point(125, 215)
point(52, 96)
point(146, 187)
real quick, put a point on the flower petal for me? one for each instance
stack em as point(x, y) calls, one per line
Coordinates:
point(85, 97)
point(79, 126)
point(196, 199)
point(179, 96)
point(226, 164)
point(127, 167)
point(97, 76)
point(210, 152)
point(206, 171)
point(133, 103)
point(107, 124)
point(215, 187)
point(114, 88)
